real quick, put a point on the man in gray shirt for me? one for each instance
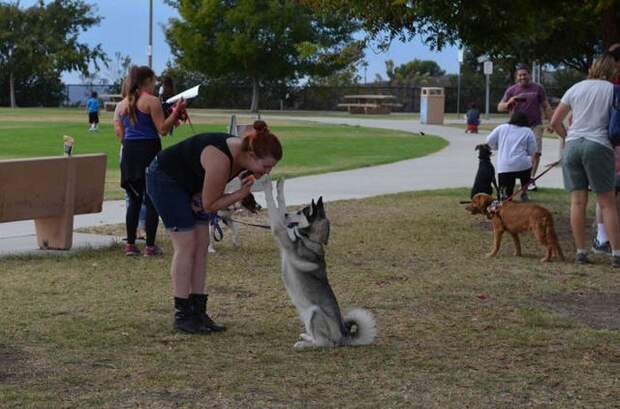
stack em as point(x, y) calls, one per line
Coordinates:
point(530, 98)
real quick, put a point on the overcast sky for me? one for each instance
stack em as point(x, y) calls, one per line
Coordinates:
point(124, 29)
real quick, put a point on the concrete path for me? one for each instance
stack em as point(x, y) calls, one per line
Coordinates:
point(453, 166)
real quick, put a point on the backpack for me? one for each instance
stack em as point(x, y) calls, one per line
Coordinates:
point(614, 118)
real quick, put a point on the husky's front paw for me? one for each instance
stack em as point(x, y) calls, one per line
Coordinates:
point(305, 337)
point(299, 345)
point(280, 186)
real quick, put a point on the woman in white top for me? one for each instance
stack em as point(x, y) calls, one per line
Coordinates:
point(588, 158)
point(515, 144)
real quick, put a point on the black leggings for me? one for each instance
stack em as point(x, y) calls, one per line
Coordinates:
point(506, 181)
point(136, 193)
point(135, 159)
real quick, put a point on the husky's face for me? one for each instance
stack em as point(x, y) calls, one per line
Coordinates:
point(310, 222)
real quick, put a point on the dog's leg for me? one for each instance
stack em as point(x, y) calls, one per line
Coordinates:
point(234, 230)
point(541, 235)
point(276, 217)
point(515, 238)
point(497, 241)
point(552, 238)
point(299, 345)
point(305, 337)
point(211, 248)
point(280, 195)
point(317, 325)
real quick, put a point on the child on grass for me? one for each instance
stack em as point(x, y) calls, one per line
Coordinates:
point(92, 106)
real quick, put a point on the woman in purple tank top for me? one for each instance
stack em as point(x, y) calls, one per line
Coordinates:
point(142, 121)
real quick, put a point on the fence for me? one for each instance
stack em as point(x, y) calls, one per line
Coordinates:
point(77, 94)
point(311, 98)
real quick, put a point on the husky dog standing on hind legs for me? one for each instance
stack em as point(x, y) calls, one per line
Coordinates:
point(301, 237)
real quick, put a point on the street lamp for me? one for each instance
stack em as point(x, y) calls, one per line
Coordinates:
point(149, 48)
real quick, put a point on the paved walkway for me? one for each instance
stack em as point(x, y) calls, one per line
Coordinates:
point(453, 166)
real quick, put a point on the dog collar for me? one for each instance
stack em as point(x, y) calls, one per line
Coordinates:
point(494, 207)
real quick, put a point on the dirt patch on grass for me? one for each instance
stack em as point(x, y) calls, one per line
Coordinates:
point(11, 360)
point(598, 310)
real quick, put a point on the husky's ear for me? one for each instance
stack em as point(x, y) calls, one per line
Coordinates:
point(320, 208)
point(307, 211)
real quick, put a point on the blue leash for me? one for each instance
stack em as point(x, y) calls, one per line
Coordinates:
point(212, 218)
point(214, 221)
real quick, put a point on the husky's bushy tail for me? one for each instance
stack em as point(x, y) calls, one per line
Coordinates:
point(361, 326)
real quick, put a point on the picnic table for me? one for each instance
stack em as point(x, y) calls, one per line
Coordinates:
point(369, 104)
point(110, 101)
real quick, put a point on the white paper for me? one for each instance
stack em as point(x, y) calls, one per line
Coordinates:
point(187, 94)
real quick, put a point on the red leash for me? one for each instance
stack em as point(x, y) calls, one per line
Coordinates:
point(524, 188)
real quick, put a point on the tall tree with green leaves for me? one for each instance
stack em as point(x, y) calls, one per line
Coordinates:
point(43, 40)
point(412, 71)
point(567, 32)
point(260, 40)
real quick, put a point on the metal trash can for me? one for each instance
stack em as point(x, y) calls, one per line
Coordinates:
point(432, 105)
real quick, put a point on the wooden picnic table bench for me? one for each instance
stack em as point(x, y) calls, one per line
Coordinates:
point(369, 104)
point(112, 101)
point(51, 190)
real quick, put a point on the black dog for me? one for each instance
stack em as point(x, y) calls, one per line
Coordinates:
point(485, 177)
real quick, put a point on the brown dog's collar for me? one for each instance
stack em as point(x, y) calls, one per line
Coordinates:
point(493, 208)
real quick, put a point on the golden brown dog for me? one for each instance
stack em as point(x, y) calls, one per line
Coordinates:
point(516, 218)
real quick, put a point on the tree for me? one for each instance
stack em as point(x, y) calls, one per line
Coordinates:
point(556, 31)
point(412, 71)
point(342, 78)
point(259, 41)
point(118, 70)
point(43, 39)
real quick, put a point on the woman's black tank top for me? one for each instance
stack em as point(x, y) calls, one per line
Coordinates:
point(182, 161)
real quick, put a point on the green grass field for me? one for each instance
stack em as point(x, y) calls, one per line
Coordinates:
point(456, 330)
point(309, 148)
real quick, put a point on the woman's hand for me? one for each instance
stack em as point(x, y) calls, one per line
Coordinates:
point(180, 106)
point(246, 185)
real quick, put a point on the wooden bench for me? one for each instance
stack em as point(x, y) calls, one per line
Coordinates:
point(51, 191)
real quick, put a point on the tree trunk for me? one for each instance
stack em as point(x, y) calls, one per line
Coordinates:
point(254, 106)
point(12, 89)
point(610, 23)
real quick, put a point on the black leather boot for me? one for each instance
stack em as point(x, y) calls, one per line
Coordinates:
point(199, 304)
point(184, 318)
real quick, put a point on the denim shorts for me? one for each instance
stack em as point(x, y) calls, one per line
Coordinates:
point(587, 163)
point(173, 203)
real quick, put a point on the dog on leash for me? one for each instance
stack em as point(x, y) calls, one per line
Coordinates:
point(226, 217)
point(485, 177)
point(301, 238)
point(249, 203)
point(516, 218)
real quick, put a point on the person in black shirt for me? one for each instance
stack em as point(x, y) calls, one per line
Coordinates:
point(186, 183)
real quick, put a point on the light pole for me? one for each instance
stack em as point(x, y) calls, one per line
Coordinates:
point(149, 48)
point(488, 70)
point(458, 82)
